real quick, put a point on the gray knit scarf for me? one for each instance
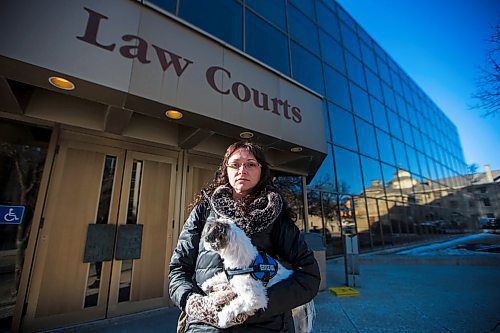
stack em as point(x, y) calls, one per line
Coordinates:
point(257, 216)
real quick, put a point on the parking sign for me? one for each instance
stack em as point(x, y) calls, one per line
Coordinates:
point(11, 214)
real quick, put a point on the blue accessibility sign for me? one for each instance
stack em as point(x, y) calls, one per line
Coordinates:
point(11, 214)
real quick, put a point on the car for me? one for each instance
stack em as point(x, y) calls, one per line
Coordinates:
point(489, 223)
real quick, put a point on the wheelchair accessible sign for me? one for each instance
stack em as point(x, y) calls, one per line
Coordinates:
point(11, 214)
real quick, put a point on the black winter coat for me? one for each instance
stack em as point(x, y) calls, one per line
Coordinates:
point(191, 265)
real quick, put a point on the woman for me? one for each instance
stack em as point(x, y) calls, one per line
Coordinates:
point(242, 191)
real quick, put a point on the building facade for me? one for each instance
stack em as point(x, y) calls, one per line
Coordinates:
point(113, 114)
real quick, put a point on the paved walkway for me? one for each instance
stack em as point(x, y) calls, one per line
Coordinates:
point(395, 296)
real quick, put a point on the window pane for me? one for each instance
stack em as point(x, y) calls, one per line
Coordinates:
point(391, 182)
point(406, 128)
point(306, 68)
point(266, 43)
point(413, 160)
point(342, 127)
point(350, 40)
point(368, 57)
point(303, 30)
point(22, 159)
point(221, 18)
point(383, 70)
point(396, 82)
point(355, 70)
point(366, 138)
point(306, 6)
point(325, 177)
point(273, 10)
point(336, 87)
point(374, 85)
point(399, 149)
point(348, 173)
point(291, 188)
point(385, 147)
point(360, 103)
point(388, 96)
point(327, 20)
point(374, 184)
point(379, 115)
point(393, 119)
point(331, 51)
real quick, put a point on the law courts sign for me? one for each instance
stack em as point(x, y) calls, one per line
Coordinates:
point(133, 49)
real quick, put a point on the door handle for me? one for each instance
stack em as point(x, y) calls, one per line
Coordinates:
point(99, 243)
point(129, 243)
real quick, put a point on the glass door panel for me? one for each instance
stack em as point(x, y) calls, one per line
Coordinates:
point(23, 150)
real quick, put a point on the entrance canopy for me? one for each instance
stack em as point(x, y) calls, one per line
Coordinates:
point(130, 65)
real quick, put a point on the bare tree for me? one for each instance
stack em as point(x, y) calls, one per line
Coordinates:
point(488, 82)
point(471, 173)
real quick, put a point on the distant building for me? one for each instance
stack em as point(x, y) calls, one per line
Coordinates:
point(428, 207)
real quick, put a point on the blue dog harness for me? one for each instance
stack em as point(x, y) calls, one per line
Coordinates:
point(263, 268)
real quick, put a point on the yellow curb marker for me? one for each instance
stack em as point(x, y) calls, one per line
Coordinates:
point(344, 291)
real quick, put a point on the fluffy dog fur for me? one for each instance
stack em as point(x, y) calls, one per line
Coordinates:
point(238, 252)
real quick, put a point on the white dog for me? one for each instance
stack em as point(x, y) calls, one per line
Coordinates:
point(248, 273)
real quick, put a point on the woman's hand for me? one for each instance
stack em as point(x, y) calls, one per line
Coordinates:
point(207, 308)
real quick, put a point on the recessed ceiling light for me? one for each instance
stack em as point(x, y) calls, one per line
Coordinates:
point(246, 135)
point(173, 114)
point(61, 83)
point(296, 149)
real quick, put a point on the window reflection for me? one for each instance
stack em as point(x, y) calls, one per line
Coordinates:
point(332, 51)
point(368, 57)
point(342, 127)
point(374, 186)
point(272, 10)
point(266, 43)
point(23, 150)
point(350, 40)
point(312, 77)
point(302, 29)
point(307, 7)
point(222, 18)
point(291, 188)
point(366, 138)
point(383, 69)
point(327, 20)
point(348, 172)
point(324, 179)
point(385, 147)
point(399, 149)
point(336, 87)
point(393, 119)
point(374, 85)
point(360, 103)
point(355, 70)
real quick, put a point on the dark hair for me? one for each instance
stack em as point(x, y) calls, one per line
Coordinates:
point(221, 177)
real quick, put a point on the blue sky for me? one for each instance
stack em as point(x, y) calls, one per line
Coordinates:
point(440, 44)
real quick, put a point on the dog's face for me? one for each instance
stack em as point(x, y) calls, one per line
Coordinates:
point(216, 235)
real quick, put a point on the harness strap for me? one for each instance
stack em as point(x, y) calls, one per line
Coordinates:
point(263, 268)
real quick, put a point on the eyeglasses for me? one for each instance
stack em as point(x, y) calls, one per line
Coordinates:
point(247, 165)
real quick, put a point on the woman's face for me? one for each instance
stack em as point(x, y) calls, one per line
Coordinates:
point(243, 171)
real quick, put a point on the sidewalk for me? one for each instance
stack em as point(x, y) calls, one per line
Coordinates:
point(397, 296)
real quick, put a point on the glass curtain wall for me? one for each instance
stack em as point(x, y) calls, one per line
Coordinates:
point(391, 149)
